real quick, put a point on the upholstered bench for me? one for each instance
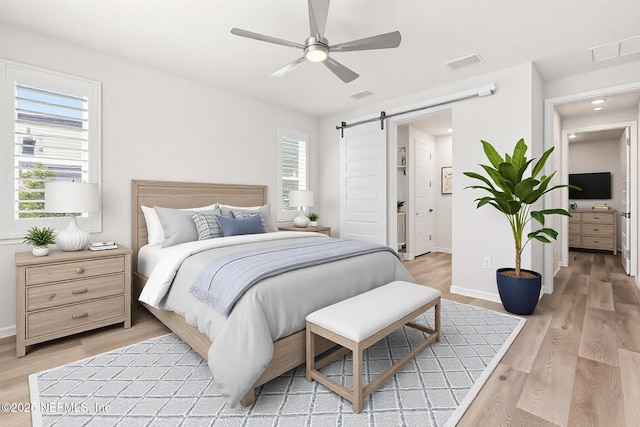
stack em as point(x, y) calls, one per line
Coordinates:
point(359, 322)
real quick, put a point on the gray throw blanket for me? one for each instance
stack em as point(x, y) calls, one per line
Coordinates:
point(223, 281)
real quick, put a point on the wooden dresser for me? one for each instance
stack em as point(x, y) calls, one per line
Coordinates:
point(593, 229)
point(318, 229)
point(64, 293)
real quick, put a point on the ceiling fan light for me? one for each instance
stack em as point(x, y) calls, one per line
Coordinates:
point(316, 53)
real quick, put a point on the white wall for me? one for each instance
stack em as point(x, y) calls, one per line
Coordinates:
point(502, 119)
point(443, 215)
point(157, 126)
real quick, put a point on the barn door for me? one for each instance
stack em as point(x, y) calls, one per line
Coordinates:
point(363, 183)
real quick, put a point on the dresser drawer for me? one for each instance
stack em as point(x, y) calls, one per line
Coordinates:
point(597, 242)
point(574, 228)
point(597, 229)
point(602, 218)
point(575, 217)
point(62, 293)
point(74, 316)
point(575, 240)
point(73, 270)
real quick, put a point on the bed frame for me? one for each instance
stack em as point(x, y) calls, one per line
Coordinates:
point(289, 351)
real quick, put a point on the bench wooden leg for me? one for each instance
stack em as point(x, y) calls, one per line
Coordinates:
point(358, 398)
point(310, 353)
point(436, 315)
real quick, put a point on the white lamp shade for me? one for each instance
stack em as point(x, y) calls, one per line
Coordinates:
point(71, 197)
point(300, 198)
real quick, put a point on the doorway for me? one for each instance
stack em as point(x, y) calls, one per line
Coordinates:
point(578, 116)
point(424, 147)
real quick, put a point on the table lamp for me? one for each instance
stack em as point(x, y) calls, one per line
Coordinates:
point(301, 199)
point(71, 198)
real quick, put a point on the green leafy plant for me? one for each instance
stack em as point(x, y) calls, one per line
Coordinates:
point(40, 237)
point(512, 194)
point(313, 216)
point(400, 204)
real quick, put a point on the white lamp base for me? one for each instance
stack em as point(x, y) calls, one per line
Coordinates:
point(73, 238)
point(301, 221)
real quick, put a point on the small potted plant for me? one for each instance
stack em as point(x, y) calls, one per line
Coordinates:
point(40, 238)
point(313, 219)
point(400, 205)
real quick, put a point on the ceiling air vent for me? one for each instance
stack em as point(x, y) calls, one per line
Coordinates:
point(466, 61)
point(361, 94)
point(615, 49)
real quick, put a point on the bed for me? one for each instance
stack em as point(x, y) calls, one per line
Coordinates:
point(289, 350)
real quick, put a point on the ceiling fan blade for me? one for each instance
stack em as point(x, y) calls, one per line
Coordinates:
point(263, 38)
point(289, 67)
point(318, 12)
point(381, 41)
point(345, 74)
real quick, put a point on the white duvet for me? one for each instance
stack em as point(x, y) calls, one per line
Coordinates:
point(242, 343)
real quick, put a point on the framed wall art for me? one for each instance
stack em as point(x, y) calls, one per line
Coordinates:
point(446, 180)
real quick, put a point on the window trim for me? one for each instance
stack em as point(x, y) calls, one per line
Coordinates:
point(296, 134)
point(10, 72)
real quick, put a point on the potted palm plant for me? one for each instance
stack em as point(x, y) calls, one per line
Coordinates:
point(40, 238)
point(513, 195)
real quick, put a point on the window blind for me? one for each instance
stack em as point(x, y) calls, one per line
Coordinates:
point(294, 168)
point(50, 143)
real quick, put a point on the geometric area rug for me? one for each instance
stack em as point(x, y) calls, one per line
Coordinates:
point(163, 382)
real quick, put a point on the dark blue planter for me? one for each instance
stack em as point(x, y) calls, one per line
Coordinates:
point(519, 295)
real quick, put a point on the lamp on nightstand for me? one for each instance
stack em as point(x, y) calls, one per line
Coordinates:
point(301, 199)
point(71, 198)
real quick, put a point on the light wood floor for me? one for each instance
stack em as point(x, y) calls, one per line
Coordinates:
point(577, 360)
point(575, 363)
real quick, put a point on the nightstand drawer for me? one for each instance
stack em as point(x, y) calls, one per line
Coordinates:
point(603, 218)
point(74, 270)
point(74, 316)
point(39, 297)
point(597, 229)
point(597, 242)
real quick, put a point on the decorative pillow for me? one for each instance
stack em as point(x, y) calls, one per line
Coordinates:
point(155, 230)
point(246, 214)
point(178, 226)
point(207, 224)
point(264, 210)
point(236, 227)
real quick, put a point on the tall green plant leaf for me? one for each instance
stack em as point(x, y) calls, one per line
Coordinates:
point(540, 164)
point(491, 154)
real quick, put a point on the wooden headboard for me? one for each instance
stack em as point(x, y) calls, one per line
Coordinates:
point(170, 194)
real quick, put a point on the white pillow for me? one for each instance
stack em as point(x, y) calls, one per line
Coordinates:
point(155, 231)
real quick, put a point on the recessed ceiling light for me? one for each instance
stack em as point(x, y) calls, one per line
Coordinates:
point(598, 101)
point(449, 130)
point(572, 135)
point(597, 108)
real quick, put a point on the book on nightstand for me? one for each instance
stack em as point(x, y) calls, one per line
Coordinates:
point(102, 246)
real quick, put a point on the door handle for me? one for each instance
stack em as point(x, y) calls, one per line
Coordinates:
point(430, 210)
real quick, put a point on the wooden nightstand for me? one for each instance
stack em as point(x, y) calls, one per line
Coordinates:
point(64, 293)
point(323, 230)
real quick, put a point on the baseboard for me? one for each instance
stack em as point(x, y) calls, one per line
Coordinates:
point(9, 331)
point(446, 250)
point(475, 294)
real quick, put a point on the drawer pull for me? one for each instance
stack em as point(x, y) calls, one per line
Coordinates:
point(596, 241)
point(596, 229)
point(596, 217)
point(79, 270)
point(79, 316)
point(79, 291)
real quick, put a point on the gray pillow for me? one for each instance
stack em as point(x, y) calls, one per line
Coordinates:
point(237, 227)
point(246, 214)
point(207, 224)
point(178, 226)
point(264, 210)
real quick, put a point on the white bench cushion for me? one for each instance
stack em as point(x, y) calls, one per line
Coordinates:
point(359, 317)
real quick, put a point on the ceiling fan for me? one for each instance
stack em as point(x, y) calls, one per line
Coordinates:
point(316, 48)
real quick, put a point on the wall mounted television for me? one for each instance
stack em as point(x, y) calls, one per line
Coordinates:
point(595, 186)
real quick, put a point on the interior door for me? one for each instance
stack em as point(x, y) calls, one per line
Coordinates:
point(423, 198)
point(363, 183)
point(625, 213)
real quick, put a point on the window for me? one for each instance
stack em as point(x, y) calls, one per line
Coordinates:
point(293, 168)
point(52, 132)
